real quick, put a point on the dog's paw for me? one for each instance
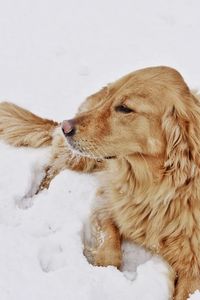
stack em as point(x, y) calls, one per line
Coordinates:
point(90, 255)
point(93, 239)
point(99, 246)
point(27, 200)
point(24, 202)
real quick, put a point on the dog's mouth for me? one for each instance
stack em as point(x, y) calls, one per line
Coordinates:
point(88, 149)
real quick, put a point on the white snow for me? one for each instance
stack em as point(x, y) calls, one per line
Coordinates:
point(52, 55)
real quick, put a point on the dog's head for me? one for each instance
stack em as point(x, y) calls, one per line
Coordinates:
point(151, 112)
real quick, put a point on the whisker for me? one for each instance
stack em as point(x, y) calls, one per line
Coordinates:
point(91, 148)
point(95, 149)
point(87, 149)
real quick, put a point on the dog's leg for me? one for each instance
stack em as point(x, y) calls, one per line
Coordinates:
point(184, 260)
point(102, 245)
point(65, 161)
point(185, 286)
point(50, 173)
point(62, 158)
point(102, 241)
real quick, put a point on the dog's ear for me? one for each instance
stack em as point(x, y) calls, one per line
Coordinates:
point(182, 132)
point(193, 132)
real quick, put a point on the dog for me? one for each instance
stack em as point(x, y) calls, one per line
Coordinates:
point(142, 134)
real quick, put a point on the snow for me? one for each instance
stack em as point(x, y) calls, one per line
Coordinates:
point(52, 55)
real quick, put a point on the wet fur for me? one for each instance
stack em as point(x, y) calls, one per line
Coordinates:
point(151, 190)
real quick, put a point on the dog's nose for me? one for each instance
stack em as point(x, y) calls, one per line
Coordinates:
point(68, 128)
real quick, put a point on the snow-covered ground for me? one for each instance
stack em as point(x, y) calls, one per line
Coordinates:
point(52, 55)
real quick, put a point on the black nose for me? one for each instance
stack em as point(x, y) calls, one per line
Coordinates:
point(68, 128)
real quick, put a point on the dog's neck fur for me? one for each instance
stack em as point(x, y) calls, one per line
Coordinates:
point(148, 176)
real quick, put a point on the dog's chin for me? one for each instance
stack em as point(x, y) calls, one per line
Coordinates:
point(80, 152)
point(76, 151)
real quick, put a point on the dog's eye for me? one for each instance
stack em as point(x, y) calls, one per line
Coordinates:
point(123, 109)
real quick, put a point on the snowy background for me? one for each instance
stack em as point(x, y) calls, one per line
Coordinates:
point(54, 53)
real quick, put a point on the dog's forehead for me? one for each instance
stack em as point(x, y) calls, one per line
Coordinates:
point(135, 90)
point(133, 84)
point(155, 85)
point(148, 78)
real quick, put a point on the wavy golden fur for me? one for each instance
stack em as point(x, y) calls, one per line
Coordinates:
point(148, 124)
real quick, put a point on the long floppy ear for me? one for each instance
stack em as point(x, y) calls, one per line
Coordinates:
point(182, 133)
point(194, 129)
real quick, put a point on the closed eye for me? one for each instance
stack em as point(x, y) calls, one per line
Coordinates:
point(123, 109)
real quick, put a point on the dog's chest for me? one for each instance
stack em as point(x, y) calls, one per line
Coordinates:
point(155, 225)
point(136, 222)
